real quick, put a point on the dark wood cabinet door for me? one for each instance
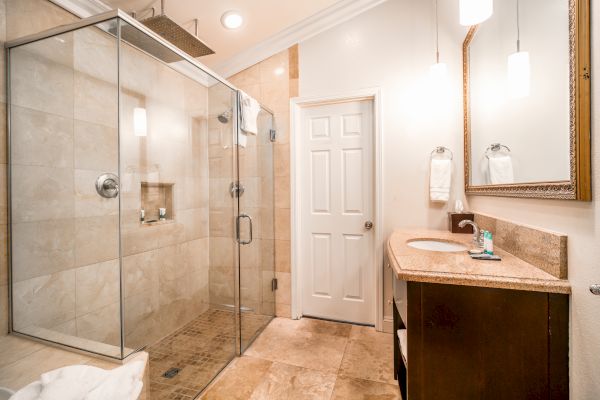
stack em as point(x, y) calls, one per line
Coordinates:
point(480, 343)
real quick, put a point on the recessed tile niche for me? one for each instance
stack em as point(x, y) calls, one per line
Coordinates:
point(154, 197)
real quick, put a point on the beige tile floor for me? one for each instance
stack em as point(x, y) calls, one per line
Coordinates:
point(311, 359)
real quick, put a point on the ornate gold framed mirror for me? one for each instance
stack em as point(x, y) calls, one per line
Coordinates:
point(526, 99)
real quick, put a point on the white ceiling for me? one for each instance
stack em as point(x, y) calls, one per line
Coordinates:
point(262, 19)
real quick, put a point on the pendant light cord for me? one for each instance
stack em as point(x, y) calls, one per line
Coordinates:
point(437, 35)
point(518, 30)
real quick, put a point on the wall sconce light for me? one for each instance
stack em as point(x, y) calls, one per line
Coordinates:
point(473, 12)
point(140, 123)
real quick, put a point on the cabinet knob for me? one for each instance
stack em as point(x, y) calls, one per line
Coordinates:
point(595, 289)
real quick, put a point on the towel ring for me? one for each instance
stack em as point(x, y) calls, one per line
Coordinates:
point(442, 150)
point(494, 148)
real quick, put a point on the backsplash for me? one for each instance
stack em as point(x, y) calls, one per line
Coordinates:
point(545, 249)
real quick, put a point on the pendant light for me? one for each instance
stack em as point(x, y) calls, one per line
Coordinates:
point(473, 12)
point(519, 70)
point(437, 70)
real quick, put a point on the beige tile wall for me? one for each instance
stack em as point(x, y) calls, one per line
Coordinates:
point(267, 84)
point(66, 235)
point(19, 18)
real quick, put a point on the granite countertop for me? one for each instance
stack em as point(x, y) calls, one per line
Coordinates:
point(458, 268)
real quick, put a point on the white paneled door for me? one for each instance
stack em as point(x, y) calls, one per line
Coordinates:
point(337, 196)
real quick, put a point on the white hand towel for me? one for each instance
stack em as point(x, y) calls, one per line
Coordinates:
point(440, 178)
point(501, 170)
point(250, 109)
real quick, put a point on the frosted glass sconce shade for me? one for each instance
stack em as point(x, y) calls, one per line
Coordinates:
point(140, 124)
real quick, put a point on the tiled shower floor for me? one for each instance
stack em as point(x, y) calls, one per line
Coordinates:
point(199, 350)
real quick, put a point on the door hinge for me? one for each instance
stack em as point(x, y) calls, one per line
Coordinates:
point(272, 135)
point(274, 284)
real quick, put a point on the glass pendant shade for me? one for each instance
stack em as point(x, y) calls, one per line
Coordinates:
point(519, 73)
point(438, 71)
point(473, 12)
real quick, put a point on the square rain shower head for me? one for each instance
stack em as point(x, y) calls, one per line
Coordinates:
point(177, 35)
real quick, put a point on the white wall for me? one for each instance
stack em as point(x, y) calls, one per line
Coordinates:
point(391, 47)
point(581, 222)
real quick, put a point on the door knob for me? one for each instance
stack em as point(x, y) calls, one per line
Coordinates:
point(595, 289)
point(368, 225)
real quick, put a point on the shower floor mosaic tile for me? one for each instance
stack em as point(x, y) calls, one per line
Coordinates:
point(184, 363)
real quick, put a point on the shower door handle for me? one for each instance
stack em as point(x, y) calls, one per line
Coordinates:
point(237, 228)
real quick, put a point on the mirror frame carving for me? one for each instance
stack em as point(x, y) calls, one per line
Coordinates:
point(579, 187)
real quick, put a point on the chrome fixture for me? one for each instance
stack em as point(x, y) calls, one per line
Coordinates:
point(224, 117)
point(237, 226)
point(595, 289)
point(236, 189)
point(442, 150)
point(272, 135)
point(368, 225)
point(496, 147)
point(107, 185)
point(477, 233)
point(176, 34)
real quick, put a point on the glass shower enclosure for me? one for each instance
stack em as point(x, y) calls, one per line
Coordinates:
point(128, 226)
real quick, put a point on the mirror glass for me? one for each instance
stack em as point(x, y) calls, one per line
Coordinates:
point(520, 100)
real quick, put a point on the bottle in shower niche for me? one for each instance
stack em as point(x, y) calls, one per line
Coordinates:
point(142, 215)
point(162, 214)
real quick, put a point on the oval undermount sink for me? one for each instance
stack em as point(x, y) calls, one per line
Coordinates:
point(437, 245)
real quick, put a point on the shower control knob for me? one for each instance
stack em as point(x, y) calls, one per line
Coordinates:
point(595, 289)
point(368, 225)
point(107, 185)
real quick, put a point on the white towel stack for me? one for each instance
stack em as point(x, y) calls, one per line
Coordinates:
point(84, 382)
point(501, 170)
point(440, 179)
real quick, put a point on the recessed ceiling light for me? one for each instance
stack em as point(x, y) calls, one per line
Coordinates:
point(279, 71)
point(232, 19)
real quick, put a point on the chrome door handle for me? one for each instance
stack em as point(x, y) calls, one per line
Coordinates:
point(237, 226)
point(595, 289)
point(368, 225)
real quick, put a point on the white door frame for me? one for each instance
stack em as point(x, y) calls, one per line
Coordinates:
point(296, 105)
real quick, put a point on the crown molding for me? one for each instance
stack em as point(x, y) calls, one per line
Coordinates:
point(303, 30)
point(83, 8)
point(326, 19)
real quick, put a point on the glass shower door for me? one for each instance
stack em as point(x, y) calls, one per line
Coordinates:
point(256, 230)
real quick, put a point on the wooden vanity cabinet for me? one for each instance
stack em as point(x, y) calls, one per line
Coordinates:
point(481, 343)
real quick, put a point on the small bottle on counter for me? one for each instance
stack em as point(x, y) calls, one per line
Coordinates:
point(142, 215)
point(488, 243)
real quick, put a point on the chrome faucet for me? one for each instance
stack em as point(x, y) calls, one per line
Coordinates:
point(477, 233)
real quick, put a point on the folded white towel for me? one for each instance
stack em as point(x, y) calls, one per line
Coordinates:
point(84, 382)
point(440, 179)
point(501, 170)
point(250, 109)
